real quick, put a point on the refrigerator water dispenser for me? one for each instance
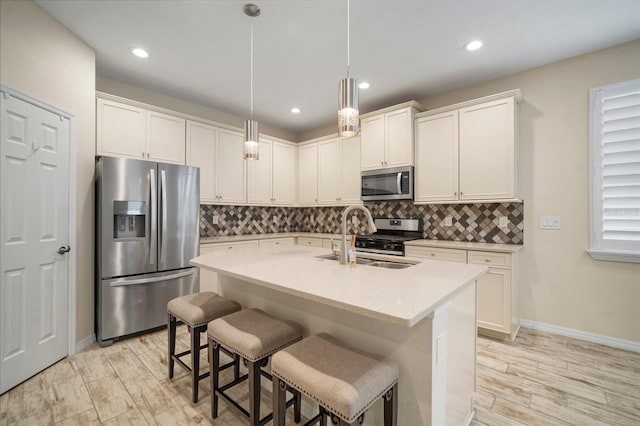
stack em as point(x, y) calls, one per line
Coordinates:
point(128, 219)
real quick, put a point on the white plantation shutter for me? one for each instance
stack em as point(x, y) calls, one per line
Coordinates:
point(615, 177)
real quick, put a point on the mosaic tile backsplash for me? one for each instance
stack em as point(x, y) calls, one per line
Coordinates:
point(470, 222)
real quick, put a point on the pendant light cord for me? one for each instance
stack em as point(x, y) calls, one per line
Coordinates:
point(251, 89)
point(348, 38)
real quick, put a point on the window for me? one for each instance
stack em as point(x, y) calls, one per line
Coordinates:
point(615, 172)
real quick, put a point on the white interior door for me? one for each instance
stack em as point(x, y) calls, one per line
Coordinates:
point(34, 204)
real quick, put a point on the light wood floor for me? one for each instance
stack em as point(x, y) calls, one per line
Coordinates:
point(540, 379)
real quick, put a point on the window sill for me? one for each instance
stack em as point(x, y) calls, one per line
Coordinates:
point(614, 256)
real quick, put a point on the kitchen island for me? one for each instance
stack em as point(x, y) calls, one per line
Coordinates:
point(423, 317)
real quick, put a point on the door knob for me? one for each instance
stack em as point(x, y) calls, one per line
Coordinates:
point(63, 249)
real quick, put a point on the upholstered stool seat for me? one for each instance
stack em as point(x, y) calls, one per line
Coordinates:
point(254, 336)
point(196, 311)
point(343, 381)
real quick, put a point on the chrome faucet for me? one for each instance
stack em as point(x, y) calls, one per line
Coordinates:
point(343, 247)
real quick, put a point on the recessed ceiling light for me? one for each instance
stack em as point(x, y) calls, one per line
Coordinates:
point(473, 45)
point(363, 85)
point(295, 110)
point(139, 52)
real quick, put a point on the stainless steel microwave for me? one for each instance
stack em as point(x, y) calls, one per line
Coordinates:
point(387, 184)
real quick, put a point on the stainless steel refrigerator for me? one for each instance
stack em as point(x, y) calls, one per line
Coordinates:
point(146, 231)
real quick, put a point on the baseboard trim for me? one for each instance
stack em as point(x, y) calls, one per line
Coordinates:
point(85, 343)
point(628, 345)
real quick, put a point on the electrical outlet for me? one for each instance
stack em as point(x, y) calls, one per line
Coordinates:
point(503, 222)
point(214, 220)
point(550, 222)
point(448, 221)
point(275, 218)
point(313, 218)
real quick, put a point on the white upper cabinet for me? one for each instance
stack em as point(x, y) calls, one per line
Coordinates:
point(218, 154)
point(487, 148)
point(308, 174)
point(387, 139)
point(271, 180)
point(128, 131)
point(165, 138)
point(436, 172)
point(466, 152)
point(338, 172)
point(328, 176)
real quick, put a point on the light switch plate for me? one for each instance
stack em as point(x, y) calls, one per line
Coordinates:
point(503, 222)
point(214, 220)
point(448, 221)
point(550, 222)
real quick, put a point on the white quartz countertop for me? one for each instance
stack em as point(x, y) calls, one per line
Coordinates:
point(250, 237)
point(400, 296)
point(463, 245)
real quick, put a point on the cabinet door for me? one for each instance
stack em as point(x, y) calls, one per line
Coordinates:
point(165, 138)
point(283, 174)
point(494, 300)
point(230, 168)
point(308, 174)
point(399, 138)
point(372, 137)
point(201, 152)
point(436, 171)
point(328, 176)
point(350, 171)
point(259, 176)
point(487, 138)
point(310, 242)
point(120, 130)
point(276, 242)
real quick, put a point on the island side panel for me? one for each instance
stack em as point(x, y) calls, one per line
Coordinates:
point(411, 347)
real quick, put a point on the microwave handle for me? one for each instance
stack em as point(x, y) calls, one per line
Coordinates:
point(399, 183)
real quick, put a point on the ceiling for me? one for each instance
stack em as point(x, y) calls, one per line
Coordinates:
point(406, 49)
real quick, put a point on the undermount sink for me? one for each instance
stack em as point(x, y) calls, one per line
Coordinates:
point(390, 265)
point(371, 262)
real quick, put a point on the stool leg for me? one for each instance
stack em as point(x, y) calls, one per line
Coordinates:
point(279, 401)
point(297, 406)
point(254, 393)
point(172, 343)
point(323, 417)
point(391, 407)
point(214, 364)
point(195, 362)
point(236, 367)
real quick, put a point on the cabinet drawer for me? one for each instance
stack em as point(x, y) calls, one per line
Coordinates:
point(450, 255)
point(276, 242)
point(206, 248)
point(310, 242)
point(490, 258)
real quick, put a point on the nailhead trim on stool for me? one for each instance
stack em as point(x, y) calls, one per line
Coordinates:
point(196, 311)
point(343, 381)
point(255, 336)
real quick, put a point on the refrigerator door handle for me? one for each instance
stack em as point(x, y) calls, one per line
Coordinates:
point(154, 220)
point(135, 281)
point(163, 228)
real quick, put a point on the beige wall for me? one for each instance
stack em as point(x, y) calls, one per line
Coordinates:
point(41, 58)
point(559, 282)
point(124, 90)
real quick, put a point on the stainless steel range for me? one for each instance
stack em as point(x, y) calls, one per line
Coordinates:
point(390, 237)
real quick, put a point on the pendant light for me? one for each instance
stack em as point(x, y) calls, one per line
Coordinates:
point(251, 143)
point(348, 114)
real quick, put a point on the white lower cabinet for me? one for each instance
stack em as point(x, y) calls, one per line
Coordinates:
point(277, 242)
point(209, 279)
point(496, 293)
point(310, 242)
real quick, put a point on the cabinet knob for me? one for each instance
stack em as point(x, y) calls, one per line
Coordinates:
point(433, 254)
point(143, 155)
point(487, 260)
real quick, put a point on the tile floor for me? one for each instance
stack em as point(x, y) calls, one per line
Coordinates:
point(540, 379)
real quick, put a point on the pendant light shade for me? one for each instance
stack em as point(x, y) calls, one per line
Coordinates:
point(250, 148)
point(348, 114)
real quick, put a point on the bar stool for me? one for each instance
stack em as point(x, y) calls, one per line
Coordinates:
point(196, 311)
point(254, 336)
point(343, 381)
